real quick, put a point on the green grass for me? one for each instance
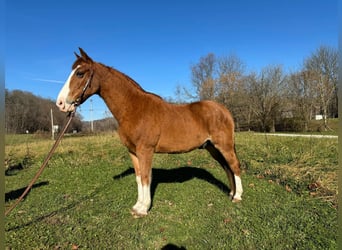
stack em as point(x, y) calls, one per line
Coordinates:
point(318, 126)
point(84, 196)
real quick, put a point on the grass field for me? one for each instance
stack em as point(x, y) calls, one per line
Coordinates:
point(84, 196)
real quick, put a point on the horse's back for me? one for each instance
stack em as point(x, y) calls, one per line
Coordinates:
point(212, 113)
point(188, 126)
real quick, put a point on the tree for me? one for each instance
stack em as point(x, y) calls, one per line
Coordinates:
point(322, 66)
point(302, 96)
point(27, 112)
point(265, 92)
point(203, 77)
point(270, 97)
point(232, 88)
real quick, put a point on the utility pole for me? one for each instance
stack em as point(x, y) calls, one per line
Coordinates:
point(91, 116)
point(52, 128)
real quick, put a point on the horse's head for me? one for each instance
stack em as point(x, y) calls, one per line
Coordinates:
point(79, 85)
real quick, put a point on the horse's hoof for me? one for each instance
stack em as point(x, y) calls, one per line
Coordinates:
point(137, 215)
point(236, 200)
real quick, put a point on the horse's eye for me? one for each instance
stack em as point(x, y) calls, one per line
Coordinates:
point(79, 74)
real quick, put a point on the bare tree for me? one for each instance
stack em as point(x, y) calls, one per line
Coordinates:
point(323, 68)
point(232, 88)
point(302, 96)
point(269, 97)
point(27, 112)
point(230, 78)
point(203, 77)
point(265, 93)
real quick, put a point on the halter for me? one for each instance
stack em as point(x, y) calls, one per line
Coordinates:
point(79, 99)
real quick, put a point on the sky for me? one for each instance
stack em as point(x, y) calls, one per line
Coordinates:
point(156, 42)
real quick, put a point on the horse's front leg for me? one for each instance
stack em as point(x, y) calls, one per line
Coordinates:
point(142, 166)
point(136, 166)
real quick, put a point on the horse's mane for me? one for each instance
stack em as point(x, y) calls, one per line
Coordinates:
point(131, 81)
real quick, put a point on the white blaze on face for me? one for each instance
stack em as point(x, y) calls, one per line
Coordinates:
point(62, 101)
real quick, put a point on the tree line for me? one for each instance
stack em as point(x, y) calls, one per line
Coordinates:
point(27, 113)
point(271, 99)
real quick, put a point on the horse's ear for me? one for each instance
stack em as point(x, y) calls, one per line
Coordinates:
point(77, 56)
point(84, 55)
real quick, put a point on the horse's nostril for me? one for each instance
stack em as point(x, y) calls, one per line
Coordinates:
point(60, 103)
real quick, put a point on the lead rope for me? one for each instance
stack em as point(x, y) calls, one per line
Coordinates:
point(70, 115)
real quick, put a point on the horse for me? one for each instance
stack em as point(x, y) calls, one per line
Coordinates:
point(147, 124)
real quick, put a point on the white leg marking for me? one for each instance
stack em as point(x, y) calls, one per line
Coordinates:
point(147, 196)
point(144, 199)
point(238, 186)
point(140, 194)
point(231, 193)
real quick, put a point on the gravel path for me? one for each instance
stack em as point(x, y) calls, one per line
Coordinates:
point(301, 135)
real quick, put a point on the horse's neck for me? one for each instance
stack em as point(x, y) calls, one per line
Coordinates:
point(119, 92)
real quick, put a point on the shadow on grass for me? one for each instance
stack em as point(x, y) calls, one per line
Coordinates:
point(178, 175)
point(53, 213)
point(15, 194)
point(171, 246)
point(14, 169)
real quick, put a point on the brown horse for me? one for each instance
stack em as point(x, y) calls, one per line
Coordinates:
point(148, 124)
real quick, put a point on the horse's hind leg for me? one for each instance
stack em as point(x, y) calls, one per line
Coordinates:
point(215, 153)
point(226, 156)
point(228, 152)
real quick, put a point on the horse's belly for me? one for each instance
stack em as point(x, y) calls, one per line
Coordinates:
point(180, 142)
